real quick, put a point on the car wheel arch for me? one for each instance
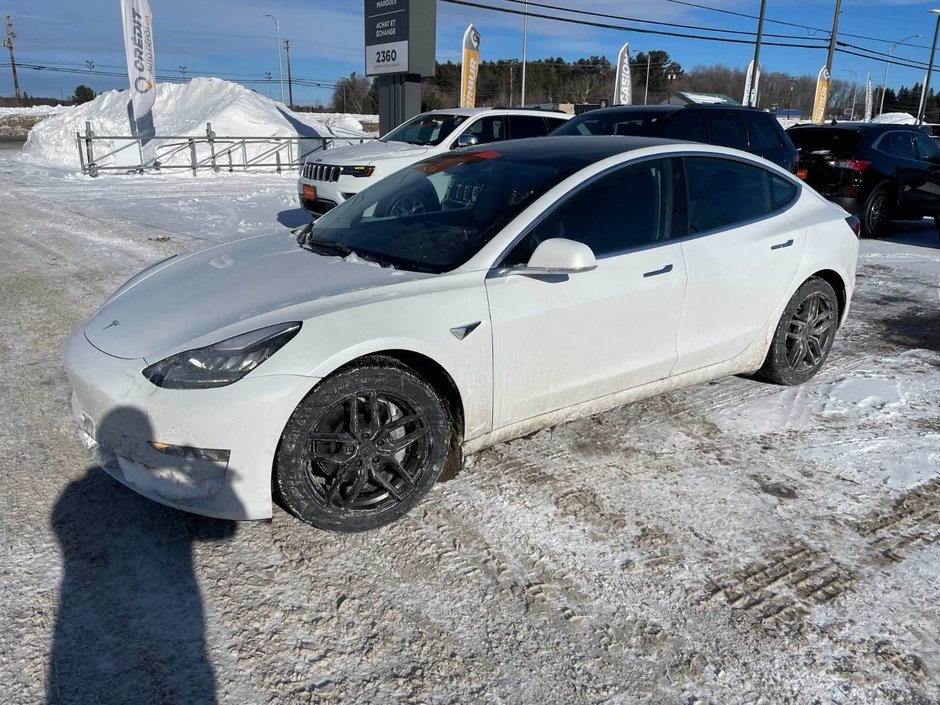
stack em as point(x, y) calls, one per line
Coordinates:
point(835, 280)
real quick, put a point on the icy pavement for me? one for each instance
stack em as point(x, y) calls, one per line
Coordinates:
point(731, 543)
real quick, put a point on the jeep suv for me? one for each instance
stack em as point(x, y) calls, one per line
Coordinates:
point(878, 172)
point(737, 126)
point(330, 177)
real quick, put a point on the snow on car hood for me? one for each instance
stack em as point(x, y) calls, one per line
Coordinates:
point(192, 296)
point(368, 152)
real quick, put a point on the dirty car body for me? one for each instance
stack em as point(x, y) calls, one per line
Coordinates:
point(551, 279)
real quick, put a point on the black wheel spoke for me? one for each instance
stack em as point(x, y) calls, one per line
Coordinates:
point(375, 420)
point(342, 477)
point(352, 422)
point(379, 479)
point(399, 444)
point(356, 488)
point(399, 470)
point(398, 423)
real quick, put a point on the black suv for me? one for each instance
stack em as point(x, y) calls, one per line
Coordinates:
point(877, 172)
point(737, 126)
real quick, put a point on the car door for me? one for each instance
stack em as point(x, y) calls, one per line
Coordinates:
point(563, 340)
point(741, 252)
point(924, 193)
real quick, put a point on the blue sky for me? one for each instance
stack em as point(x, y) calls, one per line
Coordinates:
point(230, 38)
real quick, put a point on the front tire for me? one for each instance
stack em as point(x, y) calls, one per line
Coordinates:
point(804, 335)
point(363, 448)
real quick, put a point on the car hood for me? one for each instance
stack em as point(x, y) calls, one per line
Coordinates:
point(207, 296)
point(369, 152)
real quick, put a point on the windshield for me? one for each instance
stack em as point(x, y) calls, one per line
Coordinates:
point(437, 214)
point(634, 123)
point(426, 130)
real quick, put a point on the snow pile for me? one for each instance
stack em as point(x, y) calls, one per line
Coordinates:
point(182, 110)
point(895, 119)
point(34, 110)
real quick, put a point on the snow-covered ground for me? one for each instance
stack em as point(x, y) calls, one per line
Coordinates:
point(34, 110)
point(734, 542)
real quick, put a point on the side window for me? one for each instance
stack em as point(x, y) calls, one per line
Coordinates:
point(627, 209)
point(685, 126)
point(897, 144)
point(488, 129)
point(925, 149)
point(724, 193)
point(522, 126)
point(761, 132)
point(554, 123)
point(727, 131)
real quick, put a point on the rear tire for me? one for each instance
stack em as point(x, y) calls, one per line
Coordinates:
point(804, 335)
point(363, 448)
point(876, 213)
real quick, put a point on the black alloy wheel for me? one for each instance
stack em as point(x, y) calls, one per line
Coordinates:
point(363, 448)
point(804, 335)
point(876, 213)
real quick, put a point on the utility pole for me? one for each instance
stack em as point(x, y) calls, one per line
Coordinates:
point(8, 43)
point(755, 68)
point(525, 36)
point(267, 75)
point(832, 37)
point(183, 71)
point(646, 90)
point(290, 85)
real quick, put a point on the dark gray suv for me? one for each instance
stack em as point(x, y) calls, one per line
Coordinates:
point(748, 129)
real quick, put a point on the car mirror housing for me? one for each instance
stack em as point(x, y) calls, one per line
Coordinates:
point(467, 140)
point(559, 256)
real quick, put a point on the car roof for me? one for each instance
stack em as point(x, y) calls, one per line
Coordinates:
point(592, 148)
point(512, 111)
point(626, 109)
point(857, 127)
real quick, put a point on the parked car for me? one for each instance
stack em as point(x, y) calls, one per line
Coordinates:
point(552, 279)
point(736, 126)
point(878, 172)
point(336, 175)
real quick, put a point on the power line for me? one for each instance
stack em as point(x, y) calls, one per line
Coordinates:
point(624, 28)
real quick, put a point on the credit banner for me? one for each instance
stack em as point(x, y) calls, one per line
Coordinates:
point(141, 71)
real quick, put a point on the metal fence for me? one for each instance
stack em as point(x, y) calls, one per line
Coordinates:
point(195, 154)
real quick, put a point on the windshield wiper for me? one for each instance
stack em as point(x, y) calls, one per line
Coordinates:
point(342, 248)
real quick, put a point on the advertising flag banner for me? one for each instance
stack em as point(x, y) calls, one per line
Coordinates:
point(623, 89)
point(869, 99)
point(469, 68)
point(141, 70)
point(750, 91)
point(822, 96)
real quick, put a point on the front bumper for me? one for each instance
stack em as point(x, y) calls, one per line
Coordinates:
point(330, 193)
point(120, 413)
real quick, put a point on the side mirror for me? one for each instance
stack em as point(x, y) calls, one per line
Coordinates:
point(559, 256)
point(467, 140)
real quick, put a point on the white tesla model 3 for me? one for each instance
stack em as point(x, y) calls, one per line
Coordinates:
point(526, 284)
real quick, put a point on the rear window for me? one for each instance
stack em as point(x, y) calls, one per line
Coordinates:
point(824, 139)
point(633, 123)
point(762, 133)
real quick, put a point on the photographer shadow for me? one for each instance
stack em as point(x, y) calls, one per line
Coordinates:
point(130, 623)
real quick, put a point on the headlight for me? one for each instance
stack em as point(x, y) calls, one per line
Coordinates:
point(357, 170)
point(222, 363)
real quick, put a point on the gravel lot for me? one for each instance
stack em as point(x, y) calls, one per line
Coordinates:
point(730, 543)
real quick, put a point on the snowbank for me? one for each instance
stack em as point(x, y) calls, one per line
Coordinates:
point(895, 119)
point(34, 110)
point(182, 110)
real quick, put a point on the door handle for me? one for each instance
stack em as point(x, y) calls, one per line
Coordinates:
point(664, 270)
point(781, 245)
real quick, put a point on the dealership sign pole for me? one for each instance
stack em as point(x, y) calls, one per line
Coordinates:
point(141, 71)
point(869, 100)
point(470, 67)
point(623, 89)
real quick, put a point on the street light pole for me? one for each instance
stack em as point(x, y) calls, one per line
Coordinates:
point(933, 50)
point(280, 68)
point(884, 85)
